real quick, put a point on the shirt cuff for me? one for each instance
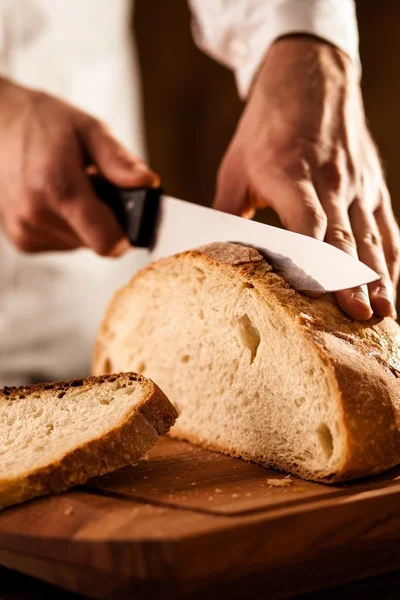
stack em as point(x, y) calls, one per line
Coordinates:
point(255, 25)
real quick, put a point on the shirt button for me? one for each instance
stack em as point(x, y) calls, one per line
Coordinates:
point(239, 51)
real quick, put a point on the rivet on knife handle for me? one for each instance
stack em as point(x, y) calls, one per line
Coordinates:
point(136, 209)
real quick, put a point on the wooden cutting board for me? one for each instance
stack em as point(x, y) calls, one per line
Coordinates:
point(189, 522)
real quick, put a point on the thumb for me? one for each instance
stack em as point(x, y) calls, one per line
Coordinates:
point(113, 160)
point(232, 192)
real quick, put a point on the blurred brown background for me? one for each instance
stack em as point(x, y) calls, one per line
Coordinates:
point(191, 103)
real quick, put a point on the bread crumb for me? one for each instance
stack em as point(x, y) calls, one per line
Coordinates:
point(145, 477)
point(235, 495)
point(248, 494)
point(193, 484)
point(305, 319)
point(211, 497)
point(69, 511)
point(146, 457)
point(286, 482)
point(134, 464)
point(218, 491)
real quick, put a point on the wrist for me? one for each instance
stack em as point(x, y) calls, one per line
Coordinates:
point(309, 49)
point(307, 61)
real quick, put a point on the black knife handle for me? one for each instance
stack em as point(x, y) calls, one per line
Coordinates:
point(136, 209)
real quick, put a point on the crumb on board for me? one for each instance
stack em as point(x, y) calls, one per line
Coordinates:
point(218, 491)
point(145, 457)
point(210, 498)
point(69, 511)
point(235, 495)
point(193, 484)
point(286, 482)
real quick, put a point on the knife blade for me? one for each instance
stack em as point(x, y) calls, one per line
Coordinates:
point(167, 225)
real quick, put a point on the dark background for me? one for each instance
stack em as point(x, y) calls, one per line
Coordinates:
point(191, 103)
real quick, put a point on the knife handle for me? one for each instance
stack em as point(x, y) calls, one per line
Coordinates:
point(136, 209)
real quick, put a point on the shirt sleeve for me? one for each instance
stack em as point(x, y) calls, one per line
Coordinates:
point(238, 33)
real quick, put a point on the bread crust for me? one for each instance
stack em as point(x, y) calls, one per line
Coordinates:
point(121, 446)
point(362, 360)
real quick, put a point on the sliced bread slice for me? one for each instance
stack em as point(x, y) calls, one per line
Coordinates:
point(256, 369)
point(58, 435)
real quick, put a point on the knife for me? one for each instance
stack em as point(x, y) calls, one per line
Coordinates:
point(167, 226)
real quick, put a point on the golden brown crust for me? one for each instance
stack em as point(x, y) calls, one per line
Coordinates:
point(231, 254)
point(363, 358)
point(122, 446)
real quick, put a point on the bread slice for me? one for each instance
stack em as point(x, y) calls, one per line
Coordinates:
point(57, 435)
point(256, 369)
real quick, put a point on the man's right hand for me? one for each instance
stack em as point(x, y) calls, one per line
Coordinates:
point(46, 200)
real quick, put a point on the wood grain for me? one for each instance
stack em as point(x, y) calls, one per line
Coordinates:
point(125, 533)
point(185, 476)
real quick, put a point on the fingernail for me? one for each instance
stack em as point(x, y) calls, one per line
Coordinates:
point(360, 296)
point(154, 179)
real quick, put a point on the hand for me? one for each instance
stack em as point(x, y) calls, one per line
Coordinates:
point(302, 147)
point(46, 201)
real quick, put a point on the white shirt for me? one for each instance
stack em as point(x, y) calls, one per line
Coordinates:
point(81, 50)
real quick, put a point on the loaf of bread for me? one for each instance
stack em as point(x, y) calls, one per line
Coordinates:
point(58, 435)
point(256, 369)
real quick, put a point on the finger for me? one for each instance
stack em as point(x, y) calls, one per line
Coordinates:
point(51, 226)
point(34, 227)
point(389, 232)
point(296, 203)
point(370, 252)
point(232, 191)
point(113, 160)
point(29, 240)
point(353, 302)
point(89, 218)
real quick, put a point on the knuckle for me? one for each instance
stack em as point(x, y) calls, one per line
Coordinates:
point(340, 235)
point(369, 240)
point(335, 176)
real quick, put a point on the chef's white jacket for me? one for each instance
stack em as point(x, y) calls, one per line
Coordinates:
point(83, 51)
